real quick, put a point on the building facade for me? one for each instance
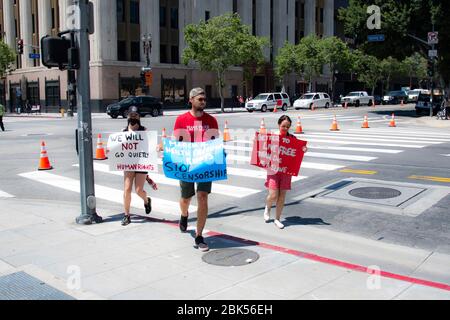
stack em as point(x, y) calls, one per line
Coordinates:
point(117, 49)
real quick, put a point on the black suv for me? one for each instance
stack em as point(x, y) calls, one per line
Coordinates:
point(146, 104)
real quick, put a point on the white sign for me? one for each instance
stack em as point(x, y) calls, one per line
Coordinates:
point(432, 53)
point(433, 37)
point(133, 151)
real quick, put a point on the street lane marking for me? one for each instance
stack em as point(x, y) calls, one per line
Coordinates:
point(227, 190)
point(101, 192)
point(390, 151)
point(366, 172)
point(394, 135)
point(435, 179)
point(362, 138)
point(418, 133)
point(5, 195)
point(305, 164)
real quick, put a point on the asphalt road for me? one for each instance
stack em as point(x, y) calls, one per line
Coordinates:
point(413, 153)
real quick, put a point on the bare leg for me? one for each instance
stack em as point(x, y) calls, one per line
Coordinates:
point(139, 186)
point(280, 203)
point(184, 206)
point(271, 198)
point(202, 211)
point(128, 178)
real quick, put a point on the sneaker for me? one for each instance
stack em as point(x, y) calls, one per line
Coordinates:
point(279, 224)
point(126, 220)
point(200, 244)
point(183, 223)
point(148, 206)
point(266, 215)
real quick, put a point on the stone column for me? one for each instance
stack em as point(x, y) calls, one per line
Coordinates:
point(328, 18)
point(104, 39)
point(8, 16)
point(149, 24)
point(45, 18)
point(26, 32)
point(310, 17)
point(245, 10)
point(263, 22)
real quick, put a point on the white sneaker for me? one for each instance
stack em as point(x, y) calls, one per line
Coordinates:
point(279, 224)
point(266, 215)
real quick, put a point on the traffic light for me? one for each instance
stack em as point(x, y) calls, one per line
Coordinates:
point(430, 68)
point(19, 48)
point(147, 77)
point(56, 52)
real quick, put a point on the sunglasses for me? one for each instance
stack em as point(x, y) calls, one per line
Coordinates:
point(201, 99)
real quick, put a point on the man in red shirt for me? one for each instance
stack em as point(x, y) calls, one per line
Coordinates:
point(196, 126)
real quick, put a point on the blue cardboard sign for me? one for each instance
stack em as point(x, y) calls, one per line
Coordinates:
point(376, 38)
point(194, 162)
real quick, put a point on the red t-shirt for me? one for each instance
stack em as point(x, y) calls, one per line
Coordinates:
point(200, 129)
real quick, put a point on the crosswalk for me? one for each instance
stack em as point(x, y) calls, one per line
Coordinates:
point(327, 152)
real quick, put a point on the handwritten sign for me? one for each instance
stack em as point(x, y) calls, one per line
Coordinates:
point(194, 162)
point(133, 151)
point(278, 154)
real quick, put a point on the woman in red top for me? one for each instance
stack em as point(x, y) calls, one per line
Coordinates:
point(280, 183)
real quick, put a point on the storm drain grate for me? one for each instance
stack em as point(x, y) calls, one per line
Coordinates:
point(375, 193)
point(230, 257)
point(22, 286)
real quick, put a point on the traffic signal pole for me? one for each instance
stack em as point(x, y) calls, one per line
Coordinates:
point(87, 189)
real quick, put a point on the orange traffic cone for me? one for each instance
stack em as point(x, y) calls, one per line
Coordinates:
point(100, 152)
point(334, 125)
point(392, 124)
point(44, 163)
point(365, 123)
point(226, 133)
point(262, 129)
point(299, 129)
point(163, 136)
point(275, 110)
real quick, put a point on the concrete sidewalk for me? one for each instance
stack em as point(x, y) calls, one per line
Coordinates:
point(150, 259)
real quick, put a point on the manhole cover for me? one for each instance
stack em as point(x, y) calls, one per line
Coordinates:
point(230, 257)
point(375, 193)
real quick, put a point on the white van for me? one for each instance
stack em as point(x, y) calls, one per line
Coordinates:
point(268, 101)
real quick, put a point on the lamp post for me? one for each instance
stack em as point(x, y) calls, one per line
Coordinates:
point(147, 45)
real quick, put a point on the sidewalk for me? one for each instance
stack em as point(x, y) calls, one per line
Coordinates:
point(150, 259)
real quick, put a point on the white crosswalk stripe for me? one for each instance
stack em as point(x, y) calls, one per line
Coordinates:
point(101, 192)
point(5, 195)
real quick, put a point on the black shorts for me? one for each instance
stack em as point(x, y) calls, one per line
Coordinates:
point(188, 188)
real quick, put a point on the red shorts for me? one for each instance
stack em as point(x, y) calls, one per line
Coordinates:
point(279, 181)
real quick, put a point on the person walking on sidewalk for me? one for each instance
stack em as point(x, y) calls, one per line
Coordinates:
point(130, 177)
point(192, 126)
point(280, 183)
point(2, 113)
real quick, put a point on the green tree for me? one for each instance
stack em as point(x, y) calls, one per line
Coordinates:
point(336, 55)
point(389, 67)
point(286, 61)
point(368, 69)
point(220, 43)
point(414, 66)
point(7, 56)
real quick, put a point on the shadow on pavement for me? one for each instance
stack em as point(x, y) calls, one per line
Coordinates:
point(398, 113)
point(294, 221)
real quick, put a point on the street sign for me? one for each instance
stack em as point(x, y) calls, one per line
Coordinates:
point(433, 37)
point(376, 38)
point(432, 53)
point(34, 56)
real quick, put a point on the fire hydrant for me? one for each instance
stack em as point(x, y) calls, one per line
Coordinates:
point(62, 111)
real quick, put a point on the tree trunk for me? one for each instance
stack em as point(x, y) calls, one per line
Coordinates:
point(220, 88)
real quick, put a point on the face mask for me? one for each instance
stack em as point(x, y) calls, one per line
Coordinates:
point(134, 122)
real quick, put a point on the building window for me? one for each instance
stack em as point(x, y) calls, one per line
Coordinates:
point(174, 18)
point(207, 15)
point(235, 6)
point(134, 12)
point(120, 10)
point(33, 93)
point(162, 17)
point(302, 11)
point(321, 15)
point(135, 51)
point(52, 96)
point(163, 54)
point(121, 50)
point(175, 55)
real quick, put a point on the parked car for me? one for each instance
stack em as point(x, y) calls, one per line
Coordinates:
point(413, 95)
point(319, 99)
point(395, 97)
point(268, 101)
point(378, 100)
point(424, 104)
point(146, 105)
point(357, 98)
